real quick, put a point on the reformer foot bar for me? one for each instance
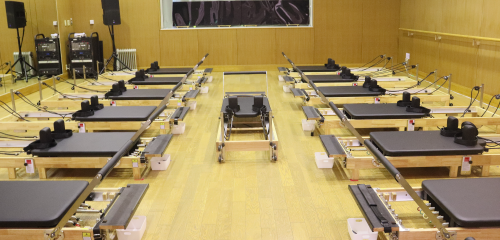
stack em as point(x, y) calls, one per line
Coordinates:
point(119, 95)
point(440, 231)
point(115, 219)
point(246, 111)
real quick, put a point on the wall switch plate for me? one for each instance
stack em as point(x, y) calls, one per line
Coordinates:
point(54, 23)
point(91, 22)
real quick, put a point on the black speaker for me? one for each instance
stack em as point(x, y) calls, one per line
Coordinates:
point(16, 17)
point(111, 12)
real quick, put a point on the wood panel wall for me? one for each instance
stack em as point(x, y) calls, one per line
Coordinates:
point(471, 65)
point(349, 31)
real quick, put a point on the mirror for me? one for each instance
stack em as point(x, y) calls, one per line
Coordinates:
point(40, 17)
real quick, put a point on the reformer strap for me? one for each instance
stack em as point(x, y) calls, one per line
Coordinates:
point(373, 206)
point(320, 115)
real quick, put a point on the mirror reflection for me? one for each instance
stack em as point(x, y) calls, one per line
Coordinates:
point(29, 28)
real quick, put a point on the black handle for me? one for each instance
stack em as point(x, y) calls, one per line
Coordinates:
point(40, 34)
point(157, 112)
point(337, 111)
point(69, 36)
point(115, 159)
point(96, 33)
point(387, 164)
point(206, 55)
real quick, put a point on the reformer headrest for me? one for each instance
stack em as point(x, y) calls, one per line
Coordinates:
point(416, 108)
point(94, 103)
point(468, 135)
point(451, 127)
point(45, 141)
point(85, 111)
point(115, 91)
point(406, 101)
point(139, 76)
point(367, 82)
point(331, 64)
point(60, 131)
point(154, 66)
point(121, 85)
point(374, 87)
point(233, 105)
point(258, 104)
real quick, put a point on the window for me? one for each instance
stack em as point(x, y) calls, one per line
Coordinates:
point(235, 13)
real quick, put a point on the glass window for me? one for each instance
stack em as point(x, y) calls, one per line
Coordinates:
point(235, 13)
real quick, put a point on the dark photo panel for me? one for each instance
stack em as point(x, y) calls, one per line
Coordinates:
point(262, 13)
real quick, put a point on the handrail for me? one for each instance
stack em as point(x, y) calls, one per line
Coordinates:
point(452, 35)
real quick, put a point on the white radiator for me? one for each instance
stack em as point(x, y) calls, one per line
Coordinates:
point(128, 57)
point(28, 57)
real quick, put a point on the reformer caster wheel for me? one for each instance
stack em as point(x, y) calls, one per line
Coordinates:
point(275, 158)
point(451, 104)
point(451, 97)
point(219, 148)
point(312, 134)
point(220, 159)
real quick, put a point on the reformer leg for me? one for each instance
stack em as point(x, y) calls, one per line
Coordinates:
point(12, 173)
point(453, 171)
point(42, 172)
point(354, 174)
point(137, 173)
point(485, 171)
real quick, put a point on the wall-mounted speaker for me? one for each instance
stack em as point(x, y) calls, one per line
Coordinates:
point(16, 17)
point(111, 12)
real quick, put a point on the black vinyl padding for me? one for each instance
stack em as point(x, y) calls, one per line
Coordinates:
point(142, 94)
point(472, 202)
point(158, 81)
point(316, 69)
point(310, 112)
point(208, 70)
point(328, 79)
point(282, 69)
point(347, 91)
point(379, 111)
point(331, 145)
point(101, 144)
point(297, 92)
point(119, 114)
point(191, 94)
point(289, 79)
point(180, 113)
point(170, 71)
point(245, 106)
point(159, 144)
point(420, 143)
point(36, 204)
point(125, 206)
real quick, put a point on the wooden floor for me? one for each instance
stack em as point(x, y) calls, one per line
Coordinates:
point(249, 197)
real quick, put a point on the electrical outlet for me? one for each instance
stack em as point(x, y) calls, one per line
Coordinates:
point(54, 23)
point(91, 22)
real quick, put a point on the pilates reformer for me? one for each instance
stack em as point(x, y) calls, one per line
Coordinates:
point(57, 231)
point(466, 139)
point(344, 149)
point(34, 209)
point(119, 95)
point(453, 208)
point(62, 148)
point(370, 92)
point(246, 111)
point(156, 70)
point(407, 114)
point(93, 116)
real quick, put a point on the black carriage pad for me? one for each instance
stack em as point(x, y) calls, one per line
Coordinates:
point(102, 144)
point(170, 71)
point(420, 143)
point(329, 79)
point(472, 202)
point(316, 69)
point(37, 204)
point(157, 81)
point(245, 103)
point(348, 91)
point(379, 111)
point(142, 94)
point(119, 114)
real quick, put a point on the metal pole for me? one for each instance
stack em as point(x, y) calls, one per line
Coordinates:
point(40, 89)
point(84, 73)
point(13, 100)
point(105, 64)
point(416, 75)
point(74, 78)
point(223, 138)
point(449, 85)
point(392, 64)
point(271, 151)
point(482, 96)
point(97, 77)
point(267, 86)
point(435, 75)
point(54, 84)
